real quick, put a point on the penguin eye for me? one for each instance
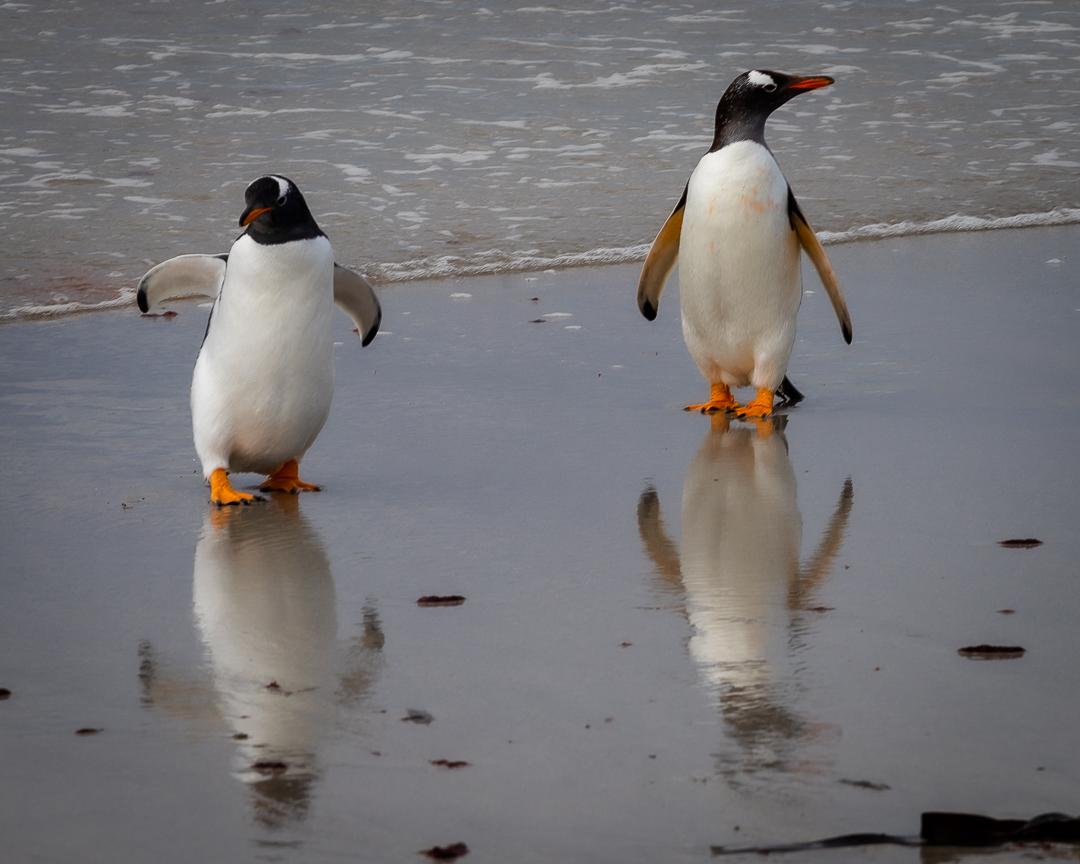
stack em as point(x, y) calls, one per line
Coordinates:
point(281, 200)
point(769, 88)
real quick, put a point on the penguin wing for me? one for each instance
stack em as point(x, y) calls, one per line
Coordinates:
point(182, 276)
point(660, 260)
point(354, 294)
point(808, 240)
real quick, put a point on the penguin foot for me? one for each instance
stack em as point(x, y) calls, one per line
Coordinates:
point(222, 493)
point(760, 407)
point(720, 399)
point(287, 479)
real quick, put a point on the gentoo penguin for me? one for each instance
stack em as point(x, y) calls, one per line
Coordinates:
point(736, 232)
point(264, 377)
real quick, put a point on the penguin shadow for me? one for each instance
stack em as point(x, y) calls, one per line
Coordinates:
point(265, 607)
point(744, 591)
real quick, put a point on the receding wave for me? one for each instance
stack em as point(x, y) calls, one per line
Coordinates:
point(32, 311)
point(953, 224)
point(449, 266)
point(500, 262)
point(494, 261)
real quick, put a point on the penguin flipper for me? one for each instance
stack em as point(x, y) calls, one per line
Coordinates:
point(182, 276)
point(660, 260)
point(354, 294)
point(809, 241)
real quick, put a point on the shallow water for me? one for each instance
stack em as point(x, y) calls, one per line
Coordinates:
point(451, 137)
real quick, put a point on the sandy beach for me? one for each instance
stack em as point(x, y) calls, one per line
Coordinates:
point(674, 635)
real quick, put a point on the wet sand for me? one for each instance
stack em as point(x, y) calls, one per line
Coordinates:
point(675, 635)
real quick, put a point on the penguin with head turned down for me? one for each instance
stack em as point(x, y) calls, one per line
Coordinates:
point(264, 377)
point(736, 233)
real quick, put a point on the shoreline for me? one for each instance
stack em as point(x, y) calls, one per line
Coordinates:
point(449, 267)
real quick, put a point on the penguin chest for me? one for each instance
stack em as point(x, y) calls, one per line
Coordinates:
point(739, 279)
point(264, 378)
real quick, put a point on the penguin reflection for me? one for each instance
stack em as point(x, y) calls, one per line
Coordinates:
point(738, 570)
point(265, 606)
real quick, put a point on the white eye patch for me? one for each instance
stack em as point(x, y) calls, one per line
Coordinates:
point(760, 79)
point(283, 184)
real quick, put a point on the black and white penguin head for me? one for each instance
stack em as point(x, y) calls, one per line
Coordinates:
point(752, 97)
point(276, 212)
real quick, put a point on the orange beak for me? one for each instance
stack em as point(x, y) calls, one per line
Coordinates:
point(252, 215)
point(810, 82)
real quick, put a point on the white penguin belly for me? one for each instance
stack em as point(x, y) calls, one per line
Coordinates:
point(264, 378)
point(739, 280)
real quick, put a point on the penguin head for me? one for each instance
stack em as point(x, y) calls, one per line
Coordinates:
point(752, 97)
point(276, 211)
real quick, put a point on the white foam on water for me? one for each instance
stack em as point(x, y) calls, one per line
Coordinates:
point(382, 112)
point(636, 76)
point(1053, 157)
point(502, 124)
point(461, 158)
point(954, 223)
point(718, 17)
point(90, 110)
point(34, 311)
point(228, 111)
point(354, 173)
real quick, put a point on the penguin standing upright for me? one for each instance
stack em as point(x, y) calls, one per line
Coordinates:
point(736, 233)
point(264, 377)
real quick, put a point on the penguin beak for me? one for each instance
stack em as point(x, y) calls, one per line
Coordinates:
point(251, 214)
point(810, 82)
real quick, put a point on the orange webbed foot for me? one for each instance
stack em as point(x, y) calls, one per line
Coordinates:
point(759, 408)
point(287, 479)
point(720, 399)
point(222, 493)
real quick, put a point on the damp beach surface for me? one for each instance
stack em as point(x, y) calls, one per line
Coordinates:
point(666, 635)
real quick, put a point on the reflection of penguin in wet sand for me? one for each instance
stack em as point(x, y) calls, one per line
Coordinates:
point(265, 374)
point(737, 567)
point(736, 233)
point(265, 606)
